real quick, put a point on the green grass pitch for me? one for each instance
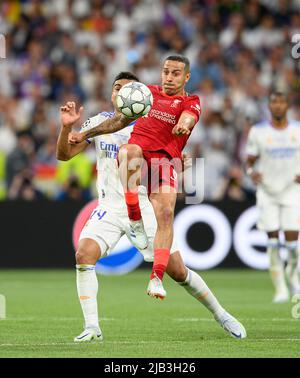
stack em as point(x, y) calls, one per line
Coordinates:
point(43, 316)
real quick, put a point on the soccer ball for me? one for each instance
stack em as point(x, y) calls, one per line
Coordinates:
point(134, 100)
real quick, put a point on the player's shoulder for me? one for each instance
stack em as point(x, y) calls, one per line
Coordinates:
point(294, 123)
point(192, 99)
point(260, 126)
point(155, 88)
point(105, 115)
point(191, 96)
point(96, 120)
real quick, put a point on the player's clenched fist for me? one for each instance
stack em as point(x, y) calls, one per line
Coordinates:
point(181, 129)
point(75, 138)
point(256, 178)
point(69, 115)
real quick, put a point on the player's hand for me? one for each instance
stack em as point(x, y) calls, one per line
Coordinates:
point(75, 138)
point(181, 129)
point(186, 161)
point(256, 178)
point(297, 179)
point(68, 114)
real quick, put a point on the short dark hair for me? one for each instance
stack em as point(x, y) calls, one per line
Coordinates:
point(126, 75)
point(182, 59)
point(276, 93)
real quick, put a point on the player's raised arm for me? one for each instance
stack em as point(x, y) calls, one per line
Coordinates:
point(69, 117)
point(185, 124)
point(111, 125)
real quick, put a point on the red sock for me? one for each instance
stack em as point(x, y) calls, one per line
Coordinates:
point(161, 259)
point(133, 206)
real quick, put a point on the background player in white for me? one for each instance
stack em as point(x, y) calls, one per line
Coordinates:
point(274, 165)
point(109, 221)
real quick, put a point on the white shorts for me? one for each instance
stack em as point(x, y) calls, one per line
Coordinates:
point(278, 213)
point(106, 227)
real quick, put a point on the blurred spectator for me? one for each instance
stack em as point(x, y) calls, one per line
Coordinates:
point(21, 157)
point(73, 191)
point(233, 188)
point(70, 50)
point(23, 188)
point(80, 167)
point(207, 67)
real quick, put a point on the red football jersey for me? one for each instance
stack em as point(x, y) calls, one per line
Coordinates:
point(153, 132)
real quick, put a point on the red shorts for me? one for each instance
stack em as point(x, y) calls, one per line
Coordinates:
point(158, 170)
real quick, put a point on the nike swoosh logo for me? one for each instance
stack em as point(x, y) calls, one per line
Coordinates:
point(79, 338)
point(237, 336)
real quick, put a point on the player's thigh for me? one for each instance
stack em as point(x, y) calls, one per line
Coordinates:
point(290, 219)
point(268, 216)
point(103, 228)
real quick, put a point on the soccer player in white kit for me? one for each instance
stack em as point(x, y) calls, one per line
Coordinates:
point(273, 162)
point(109, 221)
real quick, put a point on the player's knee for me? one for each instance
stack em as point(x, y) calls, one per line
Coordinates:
point(86, 256)
point(165, 215)
point(80, 256)
point(130, 151)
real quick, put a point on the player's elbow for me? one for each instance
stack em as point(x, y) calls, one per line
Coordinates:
point(62, 156)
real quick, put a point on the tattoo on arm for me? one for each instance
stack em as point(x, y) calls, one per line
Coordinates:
point(109, 126)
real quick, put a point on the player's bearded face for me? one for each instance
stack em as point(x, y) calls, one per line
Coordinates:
point(278, 107)
point(115, 90)
point(174, 77)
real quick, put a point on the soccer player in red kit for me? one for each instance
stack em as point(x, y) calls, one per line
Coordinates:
point(159, 139)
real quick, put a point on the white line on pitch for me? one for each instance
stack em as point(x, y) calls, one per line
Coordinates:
point(92, 343)
point(134, 342)
point(241, 319)
point(33, 318)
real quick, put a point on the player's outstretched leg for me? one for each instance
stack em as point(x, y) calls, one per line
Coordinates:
point(130, 161)
point(163, 204)
point(197, 288)
point(87, 287)
point(291, 270)
point(277, 272)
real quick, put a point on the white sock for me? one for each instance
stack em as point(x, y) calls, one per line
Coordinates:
point(195, 286)
point(292, 264)
point(87, 289)
point(276, 268)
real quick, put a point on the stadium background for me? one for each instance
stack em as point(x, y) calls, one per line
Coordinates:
point(62, 50)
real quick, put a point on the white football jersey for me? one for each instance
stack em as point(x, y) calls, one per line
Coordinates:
point(279, 155)
point(109, 186)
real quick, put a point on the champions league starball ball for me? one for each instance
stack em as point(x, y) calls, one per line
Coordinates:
point(134, 100)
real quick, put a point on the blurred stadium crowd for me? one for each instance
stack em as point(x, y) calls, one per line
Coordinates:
point(59, 50)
